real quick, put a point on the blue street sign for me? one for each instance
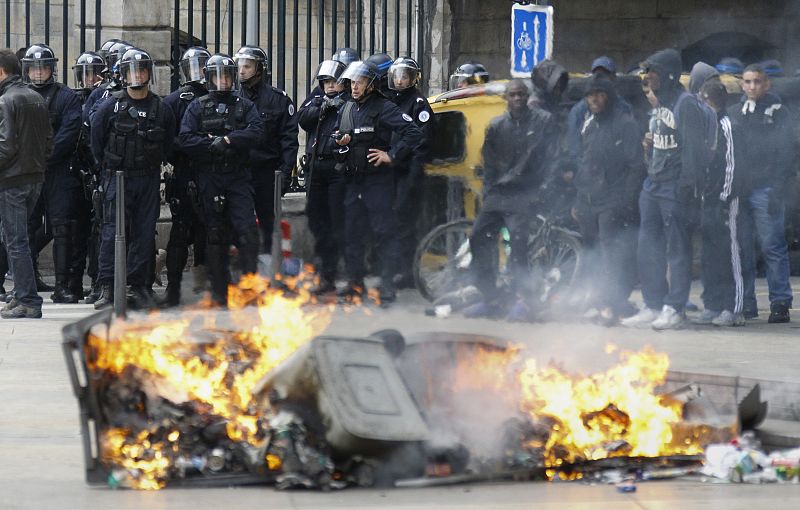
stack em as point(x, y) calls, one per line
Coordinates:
point(531, 39)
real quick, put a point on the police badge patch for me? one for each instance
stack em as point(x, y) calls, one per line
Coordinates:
point(424, 116)
point(291, 110)
point(407, 117)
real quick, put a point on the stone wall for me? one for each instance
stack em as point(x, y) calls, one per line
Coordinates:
point(626, 30)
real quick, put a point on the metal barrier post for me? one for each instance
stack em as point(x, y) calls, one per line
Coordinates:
point(120, 255)
point(277, 254)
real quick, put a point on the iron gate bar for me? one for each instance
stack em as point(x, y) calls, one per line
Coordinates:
point(321, 29)
point(334, 20)
point(97, 22)
point(397, 27)
point(204, 27)
point(308, 46)
point(176, 46)
point(230, 27)
point(270, 39)
point(190, 22)
point(384, 25)
point(65, 39)
point(83, 26)
point(420, 23)
point(47, 22)
point(371, 27)
point(282, 44)
point(258, 23)
point(217, 16)
point(409, 22)
point(359, 26)
point(8, 23)
point(346, 23)
point(243, 37)
point(295, 42)
point(27, 23)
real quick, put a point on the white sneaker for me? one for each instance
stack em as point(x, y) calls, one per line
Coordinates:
point(728, 319)
point(644, 318)
point(669, 319)
point(706, 317)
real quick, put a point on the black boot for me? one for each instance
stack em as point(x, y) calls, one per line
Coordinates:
point(106, 298)
point(217, 264)
point(62, 251)
point(140, 299)
point(93, 295)
point(172, 297)
point(62, 294)
point(248, 250)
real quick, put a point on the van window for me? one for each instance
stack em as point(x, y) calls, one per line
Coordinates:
point(448, 141)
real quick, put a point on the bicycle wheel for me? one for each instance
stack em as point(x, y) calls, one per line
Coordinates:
point(442, 259)
point(557, 262)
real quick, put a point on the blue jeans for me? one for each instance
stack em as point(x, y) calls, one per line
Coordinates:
point(770, 229)
point(16, 207)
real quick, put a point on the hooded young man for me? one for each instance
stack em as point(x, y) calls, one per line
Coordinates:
point(669, 199)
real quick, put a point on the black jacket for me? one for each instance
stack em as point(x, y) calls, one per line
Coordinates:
point(610, 168)
point(726, 178)
point(278, 148)
point(518, 155)
point(64, 107)
point(178, 102)
point(26, 138)
point(315, 121)
point(413, 103)
point(767, 137)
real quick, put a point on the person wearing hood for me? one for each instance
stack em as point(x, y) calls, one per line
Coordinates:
point(610, 172)
point(669, 200)
point(767, 136)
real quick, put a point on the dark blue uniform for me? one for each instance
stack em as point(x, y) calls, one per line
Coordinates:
point(181, 193)
point(277, 150)
point(134, 136)
point(325, 201)
point(62, 188)
point(224, 180)
point(409, 175)
point(375, 123)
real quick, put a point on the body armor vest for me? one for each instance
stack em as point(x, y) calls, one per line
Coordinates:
point(363, 135)
point(135, 143)
point(219, 119)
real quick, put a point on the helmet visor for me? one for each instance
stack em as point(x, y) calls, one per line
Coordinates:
point(222, 79)
point(329, 69)
point(402, 77)
point(192, 69)
point(356, 70)
point(136, 73)
point(39, 71)
point(87, 75)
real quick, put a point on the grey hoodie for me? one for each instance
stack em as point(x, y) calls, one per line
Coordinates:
point(701, 73)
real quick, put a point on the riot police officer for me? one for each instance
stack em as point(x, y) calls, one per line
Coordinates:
point(216, 132)
point(344, 55)
point(382, 62)
point(181, 185)
point(468, 73)
point(131, 131)
point(372, 134)
point(325, 204)
point(277, 150)
point(404, 78)
point(112, 81)
point(62, 188)
point(88, 70)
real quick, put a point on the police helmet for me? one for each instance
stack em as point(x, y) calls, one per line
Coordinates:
point(88, 69)
point(39, 65)
point(404, 73)
point(469, 73)
point(114, 55)
point(131, 65)
point(360, 69)
point(329, 70)
point(222, 74)
point(106, 47)
point(259, 56)
point(192, 63)
point(346, 56)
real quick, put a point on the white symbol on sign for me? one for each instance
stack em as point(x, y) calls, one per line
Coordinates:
point(524, 41)
point(535, 40)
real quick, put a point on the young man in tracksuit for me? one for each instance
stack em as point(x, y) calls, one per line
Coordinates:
point(669, 199)
point(767, 136)
point(609, 177)
point(723, 183)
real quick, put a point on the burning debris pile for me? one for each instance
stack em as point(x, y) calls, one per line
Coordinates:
point(249, 395)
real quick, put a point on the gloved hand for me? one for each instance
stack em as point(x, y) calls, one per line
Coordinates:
point(218, 146)
point(775, 204)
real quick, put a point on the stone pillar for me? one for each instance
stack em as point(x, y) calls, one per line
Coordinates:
point(438, 25)
point(146, 25)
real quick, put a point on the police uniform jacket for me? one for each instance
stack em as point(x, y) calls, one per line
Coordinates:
point(518, 155)
point(414, 104)
point(179, 102)
point(375, 123)
point(64, 108)
point(147, 141)
point(25, 134)
point(318, 117)
point(278, 146)
point(243, 132)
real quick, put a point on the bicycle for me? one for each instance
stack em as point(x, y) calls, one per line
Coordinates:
point(443, 258)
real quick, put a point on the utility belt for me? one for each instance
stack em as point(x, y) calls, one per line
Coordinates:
point(136, 172)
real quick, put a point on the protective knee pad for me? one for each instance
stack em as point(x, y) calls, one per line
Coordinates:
point(250, 236)
point(179, 234)
point(218, 235)
point(62, 228)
